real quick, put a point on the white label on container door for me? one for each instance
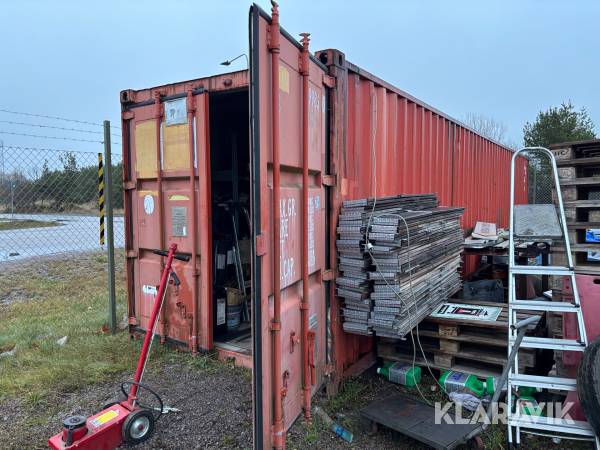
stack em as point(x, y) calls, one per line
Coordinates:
point(221, 311)
point(175, 112)
point(179, 220)
point(229, 257)
point(149, 289)
point(149, 204)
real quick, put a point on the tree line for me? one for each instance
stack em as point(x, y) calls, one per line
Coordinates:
point(71, 187)
point(555, 125)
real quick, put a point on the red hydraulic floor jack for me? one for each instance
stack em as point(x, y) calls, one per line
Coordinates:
point(126, 421)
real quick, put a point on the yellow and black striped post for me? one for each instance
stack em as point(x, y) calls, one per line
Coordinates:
point(101, 196)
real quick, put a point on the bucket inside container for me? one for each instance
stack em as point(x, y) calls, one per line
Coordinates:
point(234, 313)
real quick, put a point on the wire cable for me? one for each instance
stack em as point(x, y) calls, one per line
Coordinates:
point(414, 322)
point(368, 247)
point(46, 149)
point(50, 137)
point(78, 130)
point(60, 138)
point(8, 111)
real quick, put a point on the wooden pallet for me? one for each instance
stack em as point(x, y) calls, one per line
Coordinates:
point(475, 346)
point(491, 365)
point(579, 173)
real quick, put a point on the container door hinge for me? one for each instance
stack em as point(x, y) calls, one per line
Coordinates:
point(328, 81)
point(261, 245)
point(328, 275)
point(127, 115)
point(132, 321)
point(329, 180)
point(129, 185)
point(132, 254)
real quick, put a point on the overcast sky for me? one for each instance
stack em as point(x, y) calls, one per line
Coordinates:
point(506, 59)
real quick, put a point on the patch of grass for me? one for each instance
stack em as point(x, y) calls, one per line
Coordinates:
point(228, 441)
point(349, 396)
point(314, 430)
point(21, 224)
point(34, 399)
point(66, 298)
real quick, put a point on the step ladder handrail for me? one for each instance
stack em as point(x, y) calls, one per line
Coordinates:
point(563, 223)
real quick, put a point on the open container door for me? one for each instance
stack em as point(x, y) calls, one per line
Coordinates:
point(167, 199)
point(290, 235)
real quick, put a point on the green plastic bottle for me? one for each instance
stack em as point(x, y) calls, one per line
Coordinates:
point(453, 381)
point(400, 373)
point(527, 403)
point(529, 406)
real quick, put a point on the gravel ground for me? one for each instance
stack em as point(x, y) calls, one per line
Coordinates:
point(216, 406)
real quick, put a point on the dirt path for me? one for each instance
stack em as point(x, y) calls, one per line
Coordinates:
point(216, 406)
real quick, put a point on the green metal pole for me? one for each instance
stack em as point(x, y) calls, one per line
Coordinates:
point(110, 241)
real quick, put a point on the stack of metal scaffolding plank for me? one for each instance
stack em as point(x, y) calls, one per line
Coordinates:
point(398, 259)
point(415, 262)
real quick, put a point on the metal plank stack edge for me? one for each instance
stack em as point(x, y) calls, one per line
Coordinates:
point(399, 258)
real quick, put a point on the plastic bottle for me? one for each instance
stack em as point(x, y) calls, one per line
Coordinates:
point(400, 373)
point(337, 429)
point(464, 382)
point(526, 401)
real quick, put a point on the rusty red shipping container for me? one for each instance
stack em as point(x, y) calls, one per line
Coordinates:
point(291, 138)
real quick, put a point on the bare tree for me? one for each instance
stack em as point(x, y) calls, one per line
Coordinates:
point(490, 128)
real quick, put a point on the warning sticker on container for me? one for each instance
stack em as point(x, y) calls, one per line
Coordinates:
point(105, 418)
point(149, 289)
point(179, 220)
point(467, 312)
point(148, 204)
point(221, 311)
point(175, 112)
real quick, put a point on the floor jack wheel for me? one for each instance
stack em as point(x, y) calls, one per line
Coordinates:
point(138, 426)
point(477, 443)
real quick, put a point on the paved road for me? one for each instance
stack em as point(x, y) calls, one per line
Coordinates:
point(75, 234)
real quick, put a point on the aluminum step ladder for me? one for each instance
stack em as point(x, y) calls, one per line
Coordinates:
point(539, 223)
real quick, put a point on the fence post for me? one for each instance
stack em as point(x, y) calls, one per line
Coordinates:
point(101, 197)
point(110, 241)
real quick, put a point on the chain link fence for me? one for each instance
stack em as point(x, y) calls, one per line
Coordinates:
point(540, 179)
point(49, 202)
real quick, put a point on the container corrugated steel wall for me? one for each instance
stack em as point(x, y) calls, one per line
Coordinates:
point(386, 142)
point(397, 144)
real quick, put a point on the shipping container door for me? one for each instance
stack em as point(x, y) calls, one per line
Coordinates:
point(167, 147)
point(289, 186)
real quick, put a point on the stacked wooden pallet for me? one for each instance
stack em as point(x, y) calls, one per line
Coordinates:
point(579, 173)
point(398, 258)
point(473, 346)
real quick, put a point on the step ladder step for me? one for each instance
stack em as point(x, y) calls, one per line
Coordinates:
point(541, 270)
point(552, 424)
point(552, 344)
point(540, 305)
point(558, 383)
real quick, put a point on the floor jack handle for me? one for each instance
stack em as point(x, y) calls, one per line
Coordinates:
point(158, 299)
point(520, 327)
